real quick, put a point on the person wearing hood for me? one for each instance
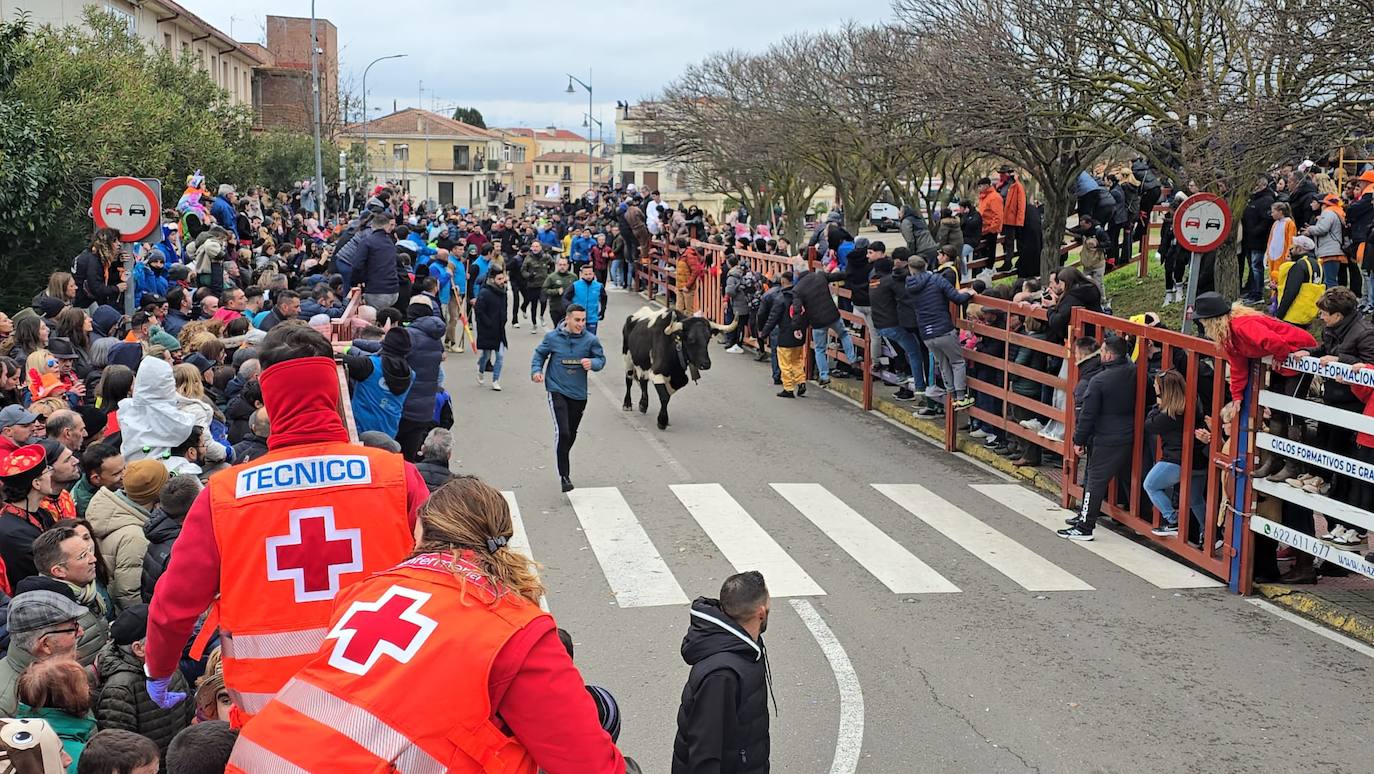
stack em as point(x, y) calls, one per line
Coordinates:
point(381, 381)
point(426, 360)
point(722, 720)
point(150, 276)
point(150, 421)
point(373, 496)
point(491, 328)
point(930, 295)
point(105, 319)
point(117, 519)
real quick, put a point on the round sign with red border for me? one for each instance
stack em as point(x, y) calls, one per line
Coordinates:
point(1202, 222)
point(127, 205)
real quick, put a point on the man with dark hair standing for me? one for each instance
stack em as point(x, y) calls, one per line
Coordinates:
point(1105, 433)
point(561, 363)
point(722, 723)
point(278, 538)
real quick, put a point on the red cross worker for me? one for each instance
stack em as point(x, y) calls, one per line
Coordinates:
point(456, 628)
point(278, 538)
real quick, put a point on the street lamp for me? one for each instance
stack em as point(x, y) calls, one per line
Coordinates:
point(571, 79)
point(587, 121)
point(366, 118)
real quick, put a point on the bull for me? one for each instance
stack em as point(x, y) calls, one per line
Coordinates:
point(666, 347)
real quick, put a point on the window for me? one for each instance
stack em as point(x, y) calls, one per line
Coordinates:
point(567, 172)
point(214, 69)
point(126, 18)
point(527, 190)
point(185, 49)
point(461, 157)
point(627, 178)
point(519, 153)
point(650, 181)
point(167, 41)
point(236, 82)
point(400, 152)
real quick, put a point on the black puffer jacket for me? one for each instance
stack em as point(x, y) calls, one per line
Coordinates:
point(1084, 294)
point(722, 723)
point(426, 354)
point(161, 531)
point(1108, 415)
point(125, 703)
point(1352, 341)
point(1255, 220)
point(812, 289)
point(856, 277)
point(435, 475)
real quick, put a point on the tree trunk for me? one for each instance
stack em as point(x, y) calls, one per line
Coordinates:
point(1057, 206)
point(1228, 270)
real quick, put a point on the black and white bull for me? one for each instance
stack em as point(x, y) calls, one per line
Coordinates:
point(666, 347)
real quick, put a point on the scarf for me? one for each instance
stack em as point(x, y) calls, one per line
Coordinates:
point(88, 596)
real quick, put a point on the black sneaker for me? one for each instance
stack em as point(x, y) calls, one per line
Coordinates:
point(904, 394)
point(778, 382)
point(801, 389)
point(566, 483)
point(1072, 520)
point(1076, 532)
point(824, 382)
point(1165, 529)
point(786, 394)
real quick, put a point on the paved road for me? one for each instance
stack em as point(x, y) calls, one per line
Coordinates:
point(957, 635)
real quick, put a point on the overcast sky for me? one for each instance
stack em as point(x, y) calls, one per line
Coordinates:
point(510, 58)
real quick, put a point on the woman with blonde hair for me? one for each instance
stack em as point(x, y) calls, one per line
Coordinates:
point(1245, 335)
point(61, 286)
point(470, 637)
point(192, 399)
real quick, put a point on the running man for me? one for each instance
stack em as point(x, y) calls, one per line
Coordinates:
point(561, 363)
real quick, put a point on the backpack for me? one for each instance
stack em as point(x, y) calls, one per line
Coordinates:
point(1303, 310)
point(750, 287)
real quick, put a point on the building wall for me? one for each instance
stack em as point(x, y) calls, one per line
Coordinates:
point(288, 38)
point(231, 71)
point(470, 188)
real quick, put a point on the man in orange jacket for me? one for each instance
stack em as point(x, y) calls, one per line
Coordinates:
point(990, 209)
point(1013, 212)
point(277, 538)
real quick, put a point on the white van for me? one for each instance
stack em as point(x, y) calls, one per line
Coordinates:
point(884, 216)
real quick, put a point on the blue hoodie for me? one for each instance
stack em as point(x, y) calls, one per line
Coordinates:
point(582, 249)
point(559, 357)
point(421, 247)
point(147, 281)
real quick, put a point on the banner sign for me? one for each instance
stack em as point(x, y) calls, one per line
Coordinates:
point(1314, 456)
point(1310, 545)
point(1338, 371)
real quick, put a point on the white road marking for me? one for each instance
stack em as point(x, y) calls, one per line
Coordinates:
point(520, 540)
point(644, 432)
point(1155, 568)
point(743, 542)
point(885, 558)
point(1032, 571)
point(632, 565)
point(1358, 647)
point(850, 738)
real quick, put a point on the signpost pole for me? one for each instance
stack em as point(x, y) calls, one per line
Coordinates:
point(1194, 265)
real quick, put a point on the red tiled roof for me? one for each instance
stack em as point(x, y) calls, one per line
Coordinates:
point(407, 121)
point(580, 158)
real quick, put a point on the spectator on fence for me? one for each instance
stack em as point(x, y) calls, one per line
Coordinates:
point(1279, 242)
point(995, 438)
point(1069, 289)
point(1165, 423)
point(1245, 335)
point(1299, 284)
point(930, 296)
point(1328, 231)
point(1105, 433)
point(990, 209)
point(1028, 451)
point(888, 297)
point(812, 292)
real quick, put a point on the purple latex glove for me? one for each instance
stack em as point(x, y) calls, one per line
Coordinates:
point(157, 691)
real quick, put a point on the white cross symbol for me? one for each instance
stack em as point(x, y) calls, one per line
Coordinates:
point(391, 626)
point(314, 554)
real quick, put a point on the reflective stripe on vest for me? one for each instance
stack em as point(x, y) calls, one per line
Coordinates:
point(303, 642)
point(252, 703)
point(359, 725)
point(250, 757)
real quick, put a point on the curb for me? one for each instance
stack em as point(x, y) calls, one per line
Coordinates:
point(936, 430)
point(1325, 612)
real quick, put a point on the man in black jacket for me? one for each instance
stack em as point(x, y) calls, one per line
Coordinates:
point(1105, 433)
point(768, 307)
point(722, 723)
point(374, 265)
point(1255, 222)
point(813, 292)
point(889, 301)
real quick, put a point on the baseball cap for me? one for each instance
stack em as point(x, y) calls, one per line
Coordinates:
point(39, 609)
point(131, 625)
point(15, 414)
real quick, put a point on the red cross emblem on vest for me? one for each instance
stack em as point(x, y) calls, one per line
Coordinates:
point(391, 626)
point(314, 554)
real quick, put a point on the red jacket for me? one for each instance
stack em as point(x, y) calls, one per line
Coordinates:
point(1366, 395)
point(302, 405)
point(1259, 335)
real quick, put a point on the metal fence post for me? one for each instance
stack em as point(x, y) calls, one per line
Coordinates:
point(1237, 535)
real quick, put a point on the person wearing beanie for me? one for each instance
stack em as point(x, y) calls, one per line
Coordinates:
point(124, 701)
point(163, 528)
point(117, 520)
point(381, 381)
point(43, 625)
point(204, 748)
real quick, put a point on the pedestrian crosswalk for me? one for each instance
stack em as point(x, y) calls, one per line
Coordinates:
point(638, 575)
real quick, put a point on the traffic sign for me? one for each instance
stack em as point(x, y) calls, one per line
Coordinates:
point(130, 205)
point(1202, 223)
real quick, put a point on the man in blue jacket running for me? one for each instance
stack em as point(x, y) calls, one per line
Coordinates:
point(561, 363)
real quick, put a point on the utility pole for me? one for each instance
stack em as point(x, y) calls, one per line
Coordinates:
point(315, 87)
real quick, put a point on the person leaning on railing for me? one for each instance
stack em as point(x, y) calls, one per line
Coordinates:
point(1246, 335)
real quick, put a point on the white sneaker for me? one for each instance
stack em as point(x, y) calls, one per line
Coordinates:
point(979, 433)
point(1033, 424)
point(534, 329)
point(481, 378)
point(516, 324)
point(495, 385)
point(735, 350)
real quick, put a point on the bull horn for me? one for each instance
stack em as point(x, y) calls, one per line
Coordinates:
point(718, 328)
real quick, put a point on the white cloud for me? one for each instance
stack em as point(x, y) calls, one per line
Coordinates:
point(510, 59)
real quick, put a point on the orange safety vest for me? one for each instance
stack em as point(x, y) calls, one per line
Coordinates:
point(295, 527)
point(401, 684)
